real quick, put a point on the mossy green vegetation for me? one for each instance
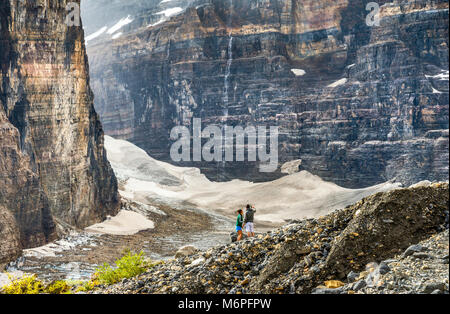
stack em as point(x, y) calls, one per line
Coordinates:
point(30, 284)
point(58, 287)
point(128, 266)
point(24, 285)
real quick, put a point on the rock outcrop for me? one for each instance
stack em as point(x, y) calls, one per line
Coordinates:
point(9, 237)
point(25, 214)
point(419, 273)
point(359, 105)
point(319, 255)
point(53, 165)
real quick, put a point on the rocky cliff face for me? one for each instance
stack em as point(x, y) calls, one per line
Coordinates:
point(22, 200)
point(53, 165)
point(357, 104)
point(9, 237)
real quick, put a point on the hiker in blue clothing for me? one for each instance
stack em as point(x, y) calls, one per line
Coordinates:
point(239, 222)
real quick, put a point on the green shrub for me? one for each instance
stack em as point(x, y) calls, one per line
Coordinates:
point(24, 285)
point(29, 284)
point(58, 287)
point(88, 285)
point(130, 265)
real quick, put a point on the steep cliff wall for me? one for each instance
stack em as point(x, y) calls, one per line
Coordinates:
point(358, 104)
point(9, 237)
point(53, 164)
point(22, 201)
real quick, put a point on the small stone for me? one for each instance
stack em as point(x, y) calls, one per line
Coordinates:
point(323, 290)
point(334, 284)
point(245, 282)
point(352, 276)
point(383, 268)
point(414, 249)
point(197, 262)
point(140, 284)
point(185, 251)
point(431, 287)
point(422, 255)
point(359, 285)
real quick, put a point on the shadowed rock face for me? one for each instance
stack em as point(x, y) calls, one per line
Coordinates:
point(53, 166)
point(25, 213)
point(358, 104)
point(9, 237)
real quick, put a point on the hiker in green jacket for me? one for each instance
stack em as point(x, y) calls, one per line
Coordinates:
point(239, 222)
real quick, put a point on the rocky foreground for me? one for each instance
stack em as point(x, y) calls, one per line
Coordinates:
point(393, 242)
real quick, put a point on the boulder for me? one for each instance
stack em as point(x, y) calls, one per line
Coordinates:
point(234, 236)
point(186, 251)
point(416, 213)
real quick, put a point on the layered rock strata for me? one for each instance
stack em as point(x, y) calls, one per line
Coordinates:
point(53, 165)
point(358, 104)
